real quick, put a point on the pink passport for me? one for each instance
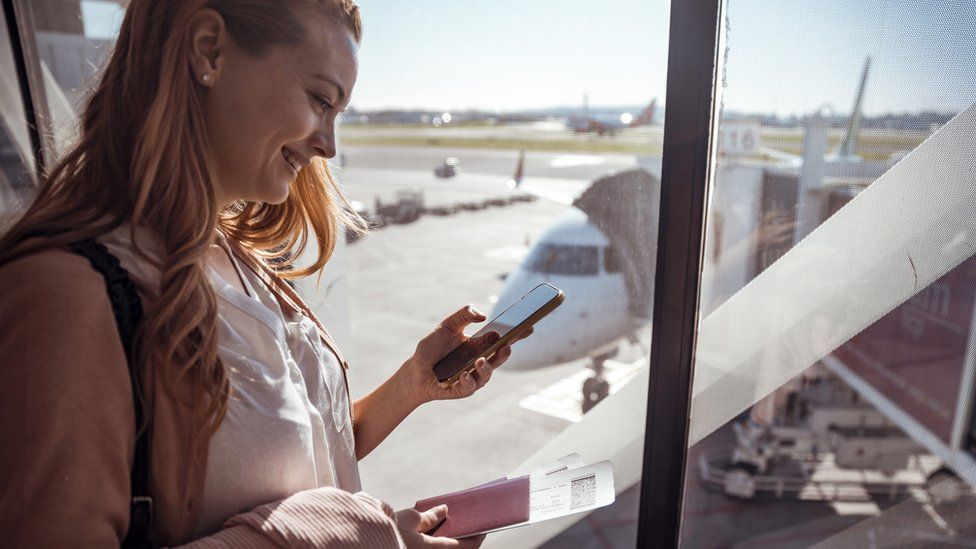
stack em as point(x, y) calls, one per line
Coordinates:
point(499, 503)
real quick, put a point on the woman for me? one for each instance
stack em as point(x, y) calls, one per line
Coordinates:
point(201, 158)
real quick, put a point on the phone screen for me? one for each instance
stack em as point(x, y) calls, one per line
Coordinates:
point(502, 324)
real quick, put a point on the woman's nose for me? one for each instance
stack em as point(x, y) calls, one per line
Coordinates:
point(323, 142)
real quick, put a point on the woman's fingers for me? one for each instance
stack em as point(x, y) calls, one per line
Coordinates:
point(431, 518)
point(465, 385)
point(469, 382)
point(483, 371)
point(483, 342)
point(500, 357)
point(456, 323)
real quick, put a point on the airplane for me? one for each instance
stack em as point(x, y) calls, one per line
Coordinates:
point(847, 151)
point(609, 126)
point(601, 253)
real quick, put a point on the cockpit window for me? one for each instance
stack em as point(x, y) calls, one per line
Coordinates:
point(565, 260)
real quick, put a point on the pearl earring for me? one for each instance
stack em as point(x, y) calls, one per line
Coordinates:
point(206, 77)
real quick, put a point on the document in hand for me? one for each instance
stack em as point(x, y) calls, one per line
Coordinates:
point(563, 487)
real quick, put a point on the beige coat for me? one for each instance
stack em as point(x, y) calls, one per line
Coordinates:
point(67, 431)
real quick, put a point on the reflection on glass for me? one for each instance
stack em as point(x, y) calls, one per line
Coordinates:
point(16, 155)
point(73, 39)
point(833, 400)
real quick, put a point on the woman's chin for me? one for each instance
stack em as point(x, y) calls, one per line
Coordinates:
point(277, 194)
point(277, 198)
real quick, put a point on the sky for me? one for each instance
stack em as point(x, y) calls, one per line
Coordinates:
point(790, 57)
point(784, 57)
point(511, 54)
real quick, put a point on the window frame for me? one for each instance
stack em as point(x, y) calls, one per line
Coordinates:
point(688, 128)
point(31, 86)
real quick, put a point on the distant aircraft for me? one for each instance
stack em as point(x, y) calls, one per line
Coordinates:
point(603, 126)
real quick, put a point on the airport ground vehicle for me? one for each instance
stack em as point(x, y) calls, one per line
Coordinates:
point(407, 206)
point(828, 443)
point(449, 168)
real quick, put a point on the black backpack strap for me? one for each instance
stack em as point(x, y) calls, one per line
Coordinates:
point(128, 311)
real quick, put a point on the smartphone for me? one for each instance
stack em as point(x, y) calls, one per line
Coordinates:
point(509, 325)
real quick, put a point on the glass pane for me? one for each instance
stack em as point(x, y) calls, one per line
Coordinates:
point(833, 386)
point(475, 140)
point(494, 118)
point(16, 154)
point(74, 39)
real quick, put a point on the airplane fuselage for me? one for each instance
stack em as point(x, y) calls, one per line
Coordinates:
point(569, 255)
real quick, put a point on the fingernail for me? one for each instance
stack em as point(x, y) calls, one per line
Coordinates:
point(475, 311)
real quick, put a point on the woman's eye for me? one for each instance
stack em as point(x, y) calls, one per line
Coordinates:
point(322, 102)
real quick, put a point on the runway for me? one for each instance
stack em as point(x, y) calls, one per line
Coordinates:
point(549, 131)
point(485, 161)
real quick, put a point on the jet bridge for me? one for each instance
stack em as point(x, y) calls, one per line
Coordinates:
point(625, 207)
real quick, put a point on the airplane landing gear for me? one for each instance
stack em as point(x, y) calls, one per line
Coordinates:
point(596, 387)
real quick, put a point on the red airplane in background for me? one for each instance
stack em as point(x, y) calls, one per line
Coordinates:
point(610, 125)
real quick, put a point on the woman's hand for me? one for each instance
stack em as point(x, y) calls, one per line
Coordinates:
point(413, 525)
point(375, 415)
point(417, 373)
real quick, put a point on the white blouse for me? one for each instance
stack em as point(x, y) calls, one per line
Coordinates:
point(288, 426)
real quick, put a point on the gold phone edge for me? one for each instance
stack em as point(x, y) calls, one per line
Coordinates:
point(535, 317)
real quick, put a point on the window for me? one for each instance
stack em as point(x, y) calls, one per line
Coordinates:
point(16, 153)
point(501, 98)
point(527, 112)
point(833, 382)
point(72, 40)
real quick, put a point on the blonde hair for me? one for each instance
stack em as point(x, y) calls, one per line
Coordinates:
point(143, 157)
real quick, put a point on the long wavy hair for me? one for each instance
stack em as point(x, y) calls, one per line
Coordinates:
point(143, 157)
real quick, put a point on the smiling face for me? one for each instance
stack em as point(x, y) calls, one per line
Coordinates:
point(269, 116)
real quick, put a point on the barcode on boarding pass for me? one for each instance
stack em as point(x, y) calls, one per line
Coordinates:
point(582, 492)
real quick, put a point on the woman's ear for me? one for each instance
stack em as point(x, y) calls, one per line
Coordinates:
point(208, 38)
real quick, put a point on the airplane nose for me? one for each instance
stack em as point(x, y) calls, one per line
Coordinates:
point(529, 353)
point(545, 347)
point(532, 353)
